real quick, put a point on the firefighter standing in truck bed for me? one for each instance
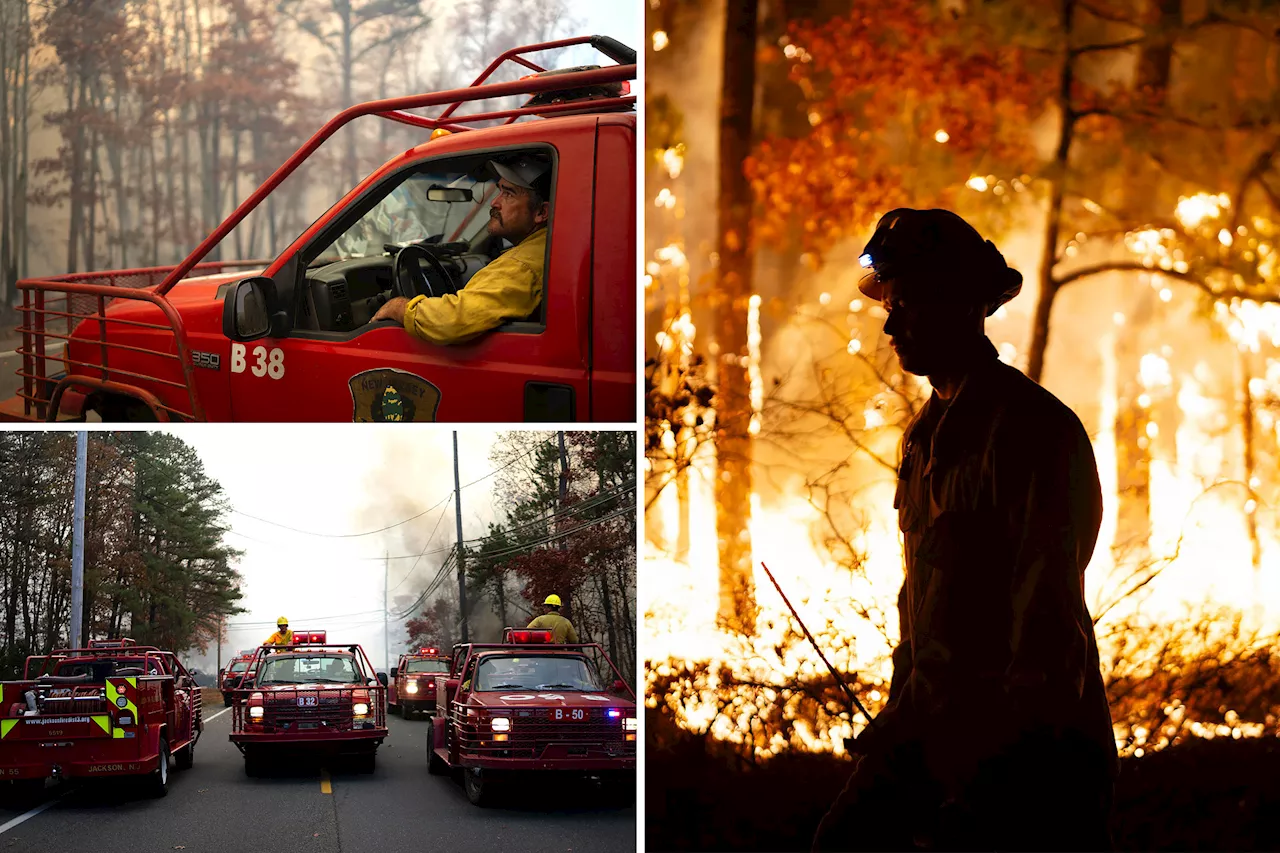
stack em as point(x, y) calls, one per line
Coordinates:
point(997, 733)
point(283, 636)
point(508, 288)
point(561, 628)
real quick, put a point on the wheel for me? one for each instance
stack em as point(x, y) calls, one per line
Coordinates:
point(619, 790)
point(395, 709)
point(253, 766)
point(157, 783)
point(226, 700)
point(435, 764)
point(184, 758)
point(407, 712)
point(479, 790)
point(366, 763)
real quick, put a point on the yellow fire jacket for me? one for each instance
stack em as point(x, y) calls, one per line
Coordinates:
point(561, 628)
point(509, 288)
point(279, 639)
point(999, 505)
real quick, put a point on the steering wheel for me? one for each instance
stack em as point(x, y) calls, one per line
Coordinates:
point(408, 279)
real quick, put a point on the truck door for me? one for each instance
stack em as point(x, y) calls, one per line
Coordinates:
point(534, 370)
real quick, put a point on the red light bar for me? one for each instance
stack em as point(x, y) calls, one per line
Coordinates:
point(426, 651)
point(530, 636)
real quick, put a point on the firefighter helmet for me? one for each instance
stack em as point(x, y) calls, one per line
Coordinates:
point(553, 600)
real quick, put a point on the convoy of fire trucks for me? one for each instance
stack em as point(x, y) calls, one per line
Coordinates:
point(293, 338)
point(497, 711)
point(114, 708)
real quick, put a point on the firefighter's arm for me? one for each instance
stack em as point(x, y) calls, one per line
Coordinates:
point(1053, 526)
point(570, 634)
point(507, 289)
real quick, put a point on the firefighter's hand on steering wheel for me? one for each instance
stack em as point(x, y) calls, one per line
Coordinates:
point(392, 310)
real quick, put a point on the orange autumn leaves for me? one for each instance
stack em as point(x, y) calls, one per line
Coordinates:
point(903, 105)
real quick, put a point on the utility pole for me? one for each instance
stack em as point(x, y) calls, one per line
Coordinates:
point(386, 611)
point(462, 570)
point(564, 486)
point(77, 541)
point(220, 629)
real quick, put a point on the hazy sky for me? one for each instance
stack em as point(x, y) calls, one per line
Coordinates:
point(339, 479)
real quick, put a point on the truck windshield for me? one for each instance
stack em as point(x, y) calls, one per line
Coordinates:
point(427, 666)
point(318, 669)
point(535, 672)
point(238, 666)
point(408, 215)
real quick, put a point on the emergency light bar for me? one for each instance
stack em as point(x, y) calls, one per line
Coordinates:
point(529, 636)
point(303, 637)
point(112, 644)
point(427, 651)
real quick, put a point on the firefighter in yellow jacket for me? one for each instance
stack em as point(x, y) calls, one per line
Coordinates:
point(996, 734)
point(283, 636)
point(508, 288)
point(561, 628)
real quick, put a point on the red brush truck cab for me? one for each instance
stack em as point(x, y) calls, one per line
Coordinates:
point(115, 709)
point(319, 699)
point(294, 340)
point(527, 706)
point(231, 677)
point(412, 689)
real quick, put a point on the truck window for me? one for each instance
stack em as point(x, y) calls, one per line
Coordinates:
point(407, 215)
point(426, 666)
point(238, 666)
point(319, 669)
point(442, 207)
point(537, 672)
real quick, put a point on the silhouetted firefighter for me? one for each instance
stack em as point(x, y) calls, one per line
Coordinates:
point(997, 733)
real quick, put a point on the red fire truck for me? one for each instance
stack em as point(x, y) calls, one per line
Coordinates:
point(529, 706)
point(291, 339)
point(113, 709)
point(310, 698)
point(230, 677)
point(413, 681)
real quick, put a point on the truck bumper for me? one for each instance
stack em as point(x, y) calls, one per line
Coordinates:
point(361, 740)
point(74, 760)
point(570, 765)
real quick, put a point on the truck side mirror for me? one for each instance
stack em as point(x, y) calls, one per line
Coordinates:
point(395, 670)
point(382, 676)
point(251, 310)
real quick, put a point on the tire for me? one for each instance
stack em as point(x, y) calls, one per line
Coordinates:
point(156, 783)
point(366, 763)
point(406, 712)
point(619, 790)
point(226, 701)
point(253, 766)
point(479, 790)
point(185, 758)
point(435, 764)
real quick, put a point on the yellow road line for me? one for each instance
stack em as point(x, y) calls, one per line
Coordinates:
point(325, 786)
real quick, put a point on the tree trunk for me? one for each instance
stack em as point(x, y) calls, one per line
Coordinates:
point(1053, 222)
point(737, 611)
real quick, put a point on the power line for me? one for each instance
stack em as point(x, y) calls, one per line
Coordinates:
point(409, 573)
point(343, 535)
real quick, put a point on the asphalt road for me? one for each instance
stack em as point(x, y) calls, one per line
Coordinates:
point(215, 807)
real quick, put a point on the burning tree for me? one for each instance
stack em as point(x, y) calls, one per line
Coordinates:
point(1123, 148)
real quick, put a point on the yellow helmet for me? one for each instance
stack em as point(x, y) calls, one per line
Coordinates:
point(553, 600)
point(282, 621)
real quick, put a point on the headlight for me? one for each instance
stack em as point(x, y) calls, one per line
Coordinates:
point(629, 724)
point(256, 712)
point(500, 724)
point(360, 709)
point(412, 688)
